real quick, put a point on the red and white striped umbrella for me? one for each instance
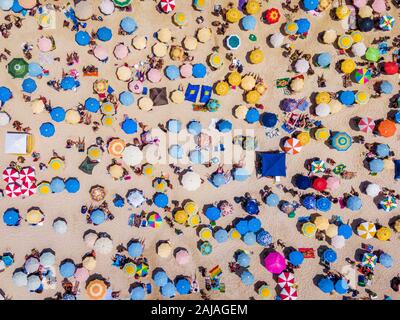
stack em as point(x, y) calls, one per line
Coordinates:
point(366, 124)
point(13, 190)
point(10, 175)
point(27, 174)
point(292, 146)
point(286, 279)
point(28, 189)
point(167, 5)
point(288, 293)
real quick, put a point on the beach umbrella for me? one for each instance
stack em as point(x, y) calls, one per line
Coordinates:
point(376, 165)
point(20, 278)
point(183, 285)
point(233, 15)
point(160, 200)
point(269, 119)
point(323, 204)
point(68, 83)
point(57, 114)
point(365, 24)
point(67, 269)
point(191, 181)
point(234, 78)
point(168, 290)
point(116, 147)
point(379, 6)
point(98, 216)
point(321, 223)
point(296, 258)
point(329, 36)
point(341, 141)
point(199, 70)
point(386, 87)
point(233, 42)
point(243, 259)
point(179, 19)
point(345, 231)
point(326, 285)
point(72, 185)
point(386, 260)
point(345, 42)
point(129, 126)
point(31, 265)
point(373, 190)
point(323, 97)
point(265, 292)
point(181, 217)
point(5, 95)
point(386, 128)
point(164, 249)
point(285, 279)
point(362, 75)
point(263, 238)
point(160, 184)
point(6, 5)
point(167, 5)
point(361, 97)
point(341, 286)
point(256, 56)
point(57, 185)
point(44, 187)
point(388, 203)
point(128, 24)
point(34, 216)
point(359, 49)
point(130, 269)
point(309, 202)
point(240, 174)
point(384, 234)
point(366, 230)
point(33, 282)
point(47, 259)
point(104, 34)
point(338, 241)
point(72, 116)
point(218, 179)
point(223, 126)
point(288, 293)
point(29, 85)
point(329, 255)
point(309, 5)
point(372, 54)
point(354, 203)
point(100, 52)
point(382, 150)
point(348, 66)
point(276, 39)
point(247, 278)
point(45, 44)
point(303, 182)
point(4, 118)
point(121, 51)
point(390, 67)
point(292, 146)
point(303, 25)
point(323, 110)
point(221, 236)
point(366, 124)
point(324, 59)
point(190, 43)
point(242, 226)
point(272, 200)
point(138, 293)
point(107, 7)
point(13, 190)
point(222, 88)
point(205, 233)
point(132, 155)
point(135, 249)
point(96, 289)
point(275, 262)
point(176, 151)
point(213, 213)
point(215, 60)
point(11, 175)
point(308, 229)
point(172, 72)
point(35, 70)
point(250, 238)
point(333, 183)
point(301, 66)
point(47, 129)
point(319, 184)
point(386, 22)
point(248, 23)
point(160, 278)
point(103, 245)
point(252, 115)
point(17, 68)
point(135, 198)
point(154, 220)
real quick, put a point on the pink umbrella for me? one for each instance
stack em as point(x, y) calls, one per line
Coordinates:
point(182, 257)
point(360, 3)
point(81, 274)
point(154, 75)
point(366, 124)
point(121, 51)
point(10, 175)
point(27, 174)
point(289, 293)
point(186, 70)
point(13, 190)
point(379, 6)
point(167, 5)
point(286, 279)
point(44, 44)
point(135, 86)
point(28, 189)
point(100, 52)
point(275, 263)
point(332, 183)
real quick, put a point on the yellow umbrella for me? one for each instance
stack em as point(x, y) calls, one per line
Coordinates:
point(322, 97)
point(177, 96)
point(357, 36)
point(94, 153)
point(342, 12)
point(56, 164)
point(116, 171)
point(44, 187)
point(34, 216)
point(72, 116)
point(321, 222)
point(108, 108)
point(322, 134)
point(331, 231)
point(130, 268)
point(38, 106)
point(222, 88)
point(180, 19)
point(181, 216)
point(309, 229)
point(384, 234)
point(345, 41)
point(303, 137)
point(365, 12)
point(234, 234)
point(241, 111)
point(256, 56)
point(124, 73)
point(252, 7)
point(191, 208)
point(205, 233)
point(252, 97)
point(89, 263)
point(100, 86)
point(115, 147)
point(262, 88)
point(160, 185)
point(96, 289)
point(204, 34)
point(194, 220)
point(215, 60)
point(148, 170)
point(248, 83)
point(297, 84)
point(348, 66)
point(108, 121)
point(234, 78)
point(233, 15)
point(265, 292)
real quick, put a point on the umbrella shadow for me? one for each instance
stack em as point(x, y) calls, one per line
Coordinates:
point(358, 254)
point(97, 276)
point(287, 250)
point(317, 278)
point(48, 250)
point(353, 123)
point(363, 186)
point(156, 270)
point(355, 223)
point(89, 231)
point(59, 219)
point(177, 249)
point(321, 249)
point(393, 220)
point(134, 285)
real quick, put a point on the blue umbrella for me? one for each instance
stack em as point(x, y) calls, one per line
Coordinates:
point(218, 180)
point(67, 269)
point(254, 224)
point(68, 297)
point(82, 38)
point(324, 59)
point(376, 165)
point(72, 185)
point(57, 114)
point(386, 260)
point(240, 174)
point(126, 98)
point(303, 25)
point(221, 235)
point(29, 85)
point(223, 126)
point(247, 278)
point(251, 206)
point(296, 258)
point(345, 231)
point(326, 285)
point(183, 286)
point(250, 238)
point(397, 117)
point(160, 278)
point(172, 72)
point(196, 156)
point(382, 150)
point(57, 185)
point(329, 255)
point(269, 119)
point(16, 7)
point(309, 202)
point(128, 24)
point(138, 293)
point(354, 203)
point(213, 213)
point(264, 238)
point(323, 204)
point(252, 115)
point(303, 182)
point(386, 87)
point(194, 127)
point(104, 34)
point(242, 226)
point(97, 216)
point(243, 259)
point(35, 70)
point(68, 83)
point(341, 286)
point(5, 95)
point(365, 24)
point(310, 4)
point(174, 126)
point(92, 104)
point(248, 23)
point(135, 249)
point(199, 70)
point(272, 200)
point(168, 290)
point(160, 200)
point(47, 129)
point(11, 217)
point(129, 126)
point(176, 151)
point(347, 97)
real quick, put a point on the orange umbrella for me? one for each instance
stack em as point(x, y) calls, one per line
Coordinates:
point(115, 147)
point(387, 128)
point(96, 290)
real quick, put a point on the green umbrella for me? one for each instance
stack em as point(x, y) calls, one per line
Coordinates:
point(372, 54)
point(122, 3)
point(18, 68)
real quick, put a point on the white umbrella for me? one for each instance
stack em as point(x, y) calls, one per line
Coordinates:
point(301, 66)
point(359, 49)
point(90, 239)
point(2, 266)
point(60, 226)
point(373, 190)
point(276, 39)
point(47, 259)
point(338, 242)
point(20, 279)
point(322, 110)
point(103, 245)
point(132, 155)
point(34, 282)
point(4, 119)
point(107, 7)
point(152, 153)
point(32, 265)
point(83, 10)
point(135, 198)
point(191, 181)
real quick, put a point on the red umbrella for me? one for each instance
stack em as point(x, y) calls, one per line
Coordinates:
point(286, 279)
point(10, 175)
point(366, 124)
point(28, 189)
point(27, 174)
point(289, 293)
point(391, 68)
point(13, 190)
point(319, 184)
point(272, 15)
point(167, 5)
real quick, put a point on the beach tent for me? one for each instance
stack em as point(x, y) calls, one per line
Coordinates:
point(396, 169)
point(158, 96)
point(18, 143)
point(205, 94)
point(272, 164)
point(191, 92)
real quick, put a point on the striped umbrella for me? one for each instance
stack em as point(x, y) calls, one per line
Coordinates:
point(142, 269)
point(366, 230)
point(292, 146)
point(386, 23)
point(115, 147)
point(167, 5)
point(341, 141)
point(10, 175)
point(154, 220)
point(28, 189)
point(369, 260)
point(27, 174)
point(13, 190)
point(366, 124)
point(388, 203)
point(345, 42)
point(362, 75)
point(309, 229)
point(289, 293)
point(285, 279)
point(318, 166)
point(122, 3)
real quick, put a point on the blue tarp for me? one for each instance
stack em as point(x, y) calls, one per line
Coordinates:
point(273, 164)
point(396, 169)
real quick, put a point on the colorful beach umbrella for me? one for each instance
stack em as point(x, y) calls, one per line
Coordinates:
point(341, 141)
point(388, 203)
point(345, 42)
point(362, 75)
point(386, 22)
point(366, 230)
point(292, 146)
point(309, 229)
point(167, 5)
point(285, 279)
point(154, 220)
point(288, 293)
point(366, 124)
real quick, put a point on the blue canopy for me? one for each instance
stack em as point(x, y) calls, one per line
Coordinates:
point(354, 203)
point(345, 231)
point(326, 285)
point(16, 7)
point(57, 185)
point(47, 129)
point(323, 204)
point(296, 258)
point(341, 286)
point(273, 164)
point(386, 87)
point(135, 249)
point(365, 24)
point(104, 34)
point(248, 23)
point(240, 174)
point(29, 85)
point(129, 126)
point(199, 70)
point(191, 92)
point(397, 117)
point(309, 5)
point(196, 156)
point(347, 97)
point(264, 238)
point(160, 278)
point(382, 150)
point(396, 169)
point(174, 126)
point(72, 185)
point(205, 96)
point(272, 200)
point(242, 226)
point(97, 216)
point(243, 259)
point(213, 213)
point(221, 235)
point(92, 104)
point(218, 180)
point(303, 182)
point(223, 125)
point(386, 260)
point(269, 119)
point(376, 165)
point(183, 286)
point(5, 95)
point(168, 290)
point(35, 70)
point(67, 269)
point(324, 59)
point(11, 217)
point(251, 206)
point(247, 278)
point(254, 224)
point(82, 38)
point(176, 151)
point(329, 255)
point(172, 72)
point(68, 83)
point(57, 114)
point(250, 238)
point(303, 25)
point(252, 115)
point(309, 202)
point(138, 293)
point(128, 24)
point(160, 200)
point(194, 127)
point(126, 98)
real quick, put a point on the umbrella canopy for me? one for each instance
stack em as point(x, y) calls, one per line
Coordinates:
point(362, 75)
point(275, 262)
point(388, 203)
point(168, 290)
point(248, 23)
point(376, 165)
point(345, 230)
point(326, 285)
point(292, 146)
point(373, 190)
point(285, 279)
point(138, 293)
point(265, 292)
point(387, 128)
point(354, 203)
point(135, 198)
point(384, 234)
point(329, 255)
point(243, 259)
point(160, 278)
point(233, 42)
point(182, 257)
point(20, 278)
point(324, 59)
point(366, 230)
point(183, 286)
point(33, 282)
point(323, 204)
point(309, 229)
point(154, 220)
point(372, 54)
point(191, 181)
point(180, 19)
point(31, 265)
point(296, 258)
point(67, 269)
point(386, 260)
point(366, 124)
point(96, 289)
point(288, 293)
point(345, 41)
point(341, 141)
point(17, 68)
point(247, 278)
point(341, 286)
point(338, 241)
point(135, 249)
